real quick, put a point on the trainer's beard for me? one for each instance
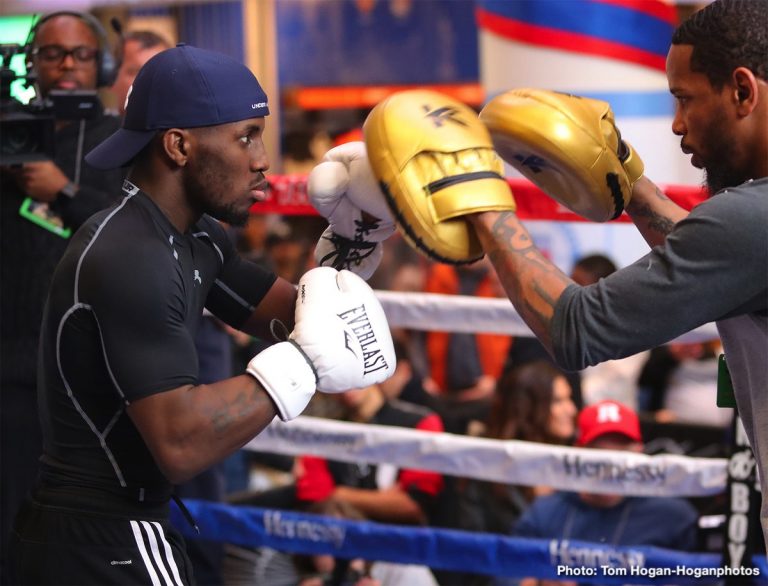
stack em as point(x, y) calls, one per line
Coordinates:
point(721, 172)
point(719, 178)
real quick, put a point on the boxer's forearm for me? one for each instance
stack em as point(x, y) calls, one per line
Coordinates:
point(190, 428)
point(532, 282)
point(653, 212)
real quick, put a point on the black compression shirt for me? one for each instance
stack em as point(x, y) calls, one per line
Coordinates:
point(119, 326)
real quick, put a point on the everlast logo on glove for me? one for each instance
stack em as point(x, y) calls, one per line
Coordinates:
point(373, 359)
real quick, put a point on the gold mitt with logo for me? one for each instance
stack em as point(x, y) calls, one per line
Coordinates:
point(435, 163)
point(568, 146)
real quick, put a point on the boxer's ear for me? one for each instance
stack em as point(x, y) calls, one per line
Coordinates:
point(175, 145)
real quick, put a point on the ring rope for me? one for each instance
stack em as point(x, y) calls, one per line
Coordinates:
point(451, 549)
point(463, 313)
point(512, 461)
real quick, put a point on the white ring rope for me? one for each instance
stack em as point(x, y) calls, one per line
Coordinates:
point(515, 462)
point(461, 313)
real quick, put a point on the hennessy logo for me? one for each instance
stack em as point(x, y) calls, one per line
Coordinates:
point(573, 556)
point(606, 471)
point(440, 116)
point(304, 529)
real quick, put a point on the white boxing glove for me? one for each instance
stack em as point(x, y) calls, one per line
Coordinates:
point(341, 341)
point(345, 192)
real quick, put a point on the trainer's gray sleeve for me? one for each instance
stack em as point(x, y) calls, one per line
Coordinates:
point(712, 265)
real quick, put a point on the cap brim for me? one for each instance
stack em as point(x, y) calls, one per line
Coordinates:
point(119, 149)
point(605, 429)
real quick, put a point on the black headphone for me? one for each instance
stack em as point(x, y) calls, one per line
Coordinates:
point(106, 64)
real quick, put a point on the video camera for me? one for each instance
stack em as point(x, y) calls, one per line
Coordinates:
point(27, 131)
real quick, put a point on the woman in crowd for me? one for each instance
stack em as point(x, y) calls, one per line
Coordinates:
point(532, 403)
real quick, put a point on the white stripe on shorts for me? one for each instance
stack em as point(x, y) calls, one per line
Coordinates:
point(154, 547)
point(168, 553)
point(144, 555)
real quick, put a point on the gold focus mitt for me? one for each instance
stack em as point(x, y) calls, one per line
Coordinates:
point(568, 146)
point(435, 163)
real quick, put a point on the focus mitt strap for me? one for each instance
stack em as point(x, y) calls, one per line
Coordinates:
point(435, 163)
point(568, 146)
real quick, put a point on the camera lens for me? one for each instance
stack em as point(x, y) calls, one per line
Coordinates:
point(18, 137)
point(24, 138)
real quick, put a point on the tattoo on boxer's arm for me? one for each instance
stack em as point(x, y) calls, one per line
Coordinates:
point(240, 406)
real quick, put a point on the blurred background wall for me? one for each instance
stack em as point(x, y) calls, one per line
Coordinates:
point(325, 63)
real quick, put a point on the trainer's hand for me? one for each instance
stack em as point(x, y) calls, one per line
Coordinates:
point(345, 192)
point(436, 163)
point(41, 180)
point(341, 341)
point(568, 146)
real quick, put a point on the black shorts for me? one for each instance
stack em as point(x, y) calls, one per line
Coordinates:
point(62, 545)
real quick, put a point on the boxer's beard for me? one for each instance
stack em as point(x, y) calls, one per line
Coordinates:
point(205, 186)
point(229, 214)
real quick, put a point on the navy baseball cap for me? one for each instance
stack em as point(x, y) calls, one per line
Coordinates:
point(182, 87)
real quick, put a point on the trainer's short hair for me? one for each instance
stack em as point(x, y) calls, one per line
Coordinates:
point(725, 35)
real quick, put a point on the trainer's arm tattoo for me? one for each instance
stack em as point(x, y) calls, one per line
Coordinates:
point(655, 221)
point(532, 282)
point(654, 214)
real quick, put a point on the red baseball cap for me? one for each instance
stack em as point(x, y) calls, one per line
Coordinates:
point(607, 417)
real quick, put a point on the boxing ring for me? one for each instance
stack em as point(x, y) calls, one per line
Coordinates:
point(523, 463)
point(517, 462)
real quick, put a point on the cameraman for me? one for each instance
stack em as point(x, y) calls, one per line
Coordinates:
point(67, 51)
